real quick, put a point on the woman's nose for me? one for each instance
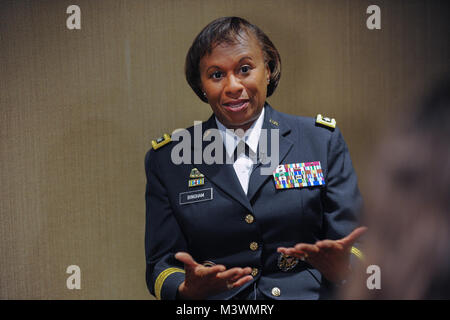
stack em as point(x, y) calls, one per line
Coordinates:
point(233, 87)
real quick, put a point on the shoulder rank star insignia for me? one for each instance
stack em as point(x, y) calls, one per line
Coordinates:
point(326, 121)
point(158, 143)
point(196, 178)
point(286, 263)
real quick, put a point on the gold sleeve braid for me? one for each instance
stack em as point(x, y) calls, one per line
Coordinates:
point(357, 253)
point(162, 277)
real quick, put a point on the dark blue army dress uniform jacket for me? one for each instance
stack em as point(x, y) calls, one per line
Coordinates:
point(237, 230)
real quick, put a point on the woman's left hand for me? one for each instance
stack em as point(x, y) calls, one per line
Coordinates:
point(330, 257)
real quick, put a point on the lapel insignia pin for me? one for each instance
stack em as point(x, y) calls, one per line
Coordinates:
point(273, 122)
point(286, 263)
point(298, 175)
point(196, 178)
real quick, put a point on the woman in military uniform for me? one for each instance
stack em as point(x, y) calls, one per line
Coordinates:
point(228, 230)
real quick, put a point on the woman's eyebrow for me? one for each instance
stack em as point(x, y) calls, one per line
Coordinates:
point(246, 57)
point(212, 67)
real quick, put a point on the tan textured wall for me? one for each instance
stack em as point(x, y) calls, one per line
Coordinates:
point(79, 108)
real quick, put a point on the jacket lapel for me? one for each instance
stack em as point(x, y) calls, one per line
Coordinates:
point(222, 175)
point(271, 121)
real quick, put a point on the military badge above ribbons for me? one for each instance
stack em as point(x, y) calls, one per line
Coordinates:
point(298, 175)
point(196, 178)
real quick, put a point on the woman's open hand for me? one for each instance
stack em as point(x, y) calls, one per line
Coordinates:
point(330, 257)
point(202, 281)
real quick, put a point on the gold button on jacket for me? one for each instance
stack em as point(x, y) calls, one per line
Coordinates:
point(249, 218)
point(254, 246)
point(276, 292)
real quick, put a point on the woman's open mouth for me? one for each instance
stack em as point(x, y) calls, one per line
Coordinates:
point(236, 105)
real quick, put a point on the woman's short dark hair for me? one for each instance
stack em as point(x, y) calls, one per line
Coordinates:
point(227, 30)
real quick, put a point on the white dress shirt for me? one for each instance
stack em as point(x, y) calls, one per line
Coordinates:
point(243, 165)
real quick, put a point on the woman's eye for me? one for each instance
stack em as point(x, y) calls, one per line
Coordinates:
point(245, 69)
point(216, 75)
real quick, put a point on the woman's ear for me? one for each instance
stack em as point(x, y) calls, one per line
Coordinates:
point(267, 72)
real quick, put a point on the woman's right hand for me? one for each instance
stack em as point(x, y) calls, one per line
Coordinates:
point(201, 281)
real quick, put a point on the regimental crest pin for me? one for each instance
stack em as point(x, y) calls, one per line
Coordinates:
point(274, 122)
point(286, 263)
point(196, 178)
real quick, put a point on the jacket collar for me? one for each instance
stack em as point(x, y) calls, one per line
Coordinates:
point(273, 123)
point(224, 176)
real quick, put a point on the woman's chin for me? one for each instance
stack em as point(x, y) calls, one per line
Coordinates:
point(240, 124)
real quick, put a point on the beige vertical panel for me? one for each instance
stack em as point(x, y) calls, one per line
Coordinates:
point(79, 108)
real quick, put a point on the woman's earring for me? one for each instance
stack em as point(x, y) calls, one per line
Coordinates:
point(204, 94)
point(268, 80)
